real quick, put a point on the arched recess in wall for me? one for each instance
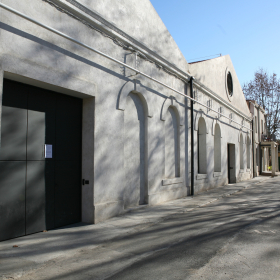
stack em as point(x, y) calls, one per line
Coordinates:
point(172, 143)
point(135, 150)
point(256, 125)
point(217, 148)
point(144, 95)
point(248, 153)
point(200, 114)
point(201, 146)
point(171, 101)
point(241, 151)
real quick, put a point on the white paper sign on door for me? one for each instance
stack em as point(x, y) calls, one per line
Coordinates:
point(48, 151)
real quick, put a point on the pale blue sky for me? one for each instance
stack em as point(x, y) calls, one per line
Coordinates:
point(248, 30)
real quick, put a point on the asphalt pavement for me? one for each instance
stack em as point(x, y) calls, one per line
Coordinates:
point(231, 232)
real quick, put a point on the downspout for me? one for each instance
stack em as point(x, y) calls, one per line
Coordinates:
point(192, 139)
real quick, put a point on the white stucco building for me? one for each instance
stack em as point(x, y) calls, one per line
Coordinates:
point(83, 137)
point(265, 150)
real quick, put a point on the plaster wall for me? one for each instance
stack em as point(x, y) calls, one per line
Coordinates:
point(230, 134)
point(33, 55)
point(140, 20)
point(136, 146)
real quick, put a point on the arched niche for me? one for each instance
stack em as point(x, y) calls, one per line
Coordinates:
point(143, 94)
point(200, 114)
point(172, 143)
point(215, 121)
point(135, 151)
point(171, 101)
point(239, 134)
point(217, 148)
point(201, 146)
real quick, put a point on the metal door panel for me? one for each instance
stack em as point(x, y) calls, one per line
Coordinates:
point(12, 199)
point(41, 100)
point(231, 163)
point(13, 133)
point(52, 194)
point(35, 197)
point(67, 193)
point(50, 191)
point(68, 128)
point(15, 94)
point(36, 135)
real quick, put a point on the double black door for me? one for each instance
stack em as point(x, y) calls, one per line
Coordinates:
point(38, 193)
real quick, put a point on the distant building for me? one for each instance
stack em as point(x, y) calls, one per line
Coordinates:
point(265, 149)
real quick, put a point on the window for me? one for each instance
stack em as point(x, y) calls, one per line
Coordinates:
point(229, 84)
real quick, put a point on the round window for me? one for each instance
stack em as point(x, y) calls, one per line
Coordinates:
point(229, 84)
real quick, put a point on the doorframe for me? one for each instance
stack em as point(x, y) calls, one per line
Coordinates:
point(55, 81)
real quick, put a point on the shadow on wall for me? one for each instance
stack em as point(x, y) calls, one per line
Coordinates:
point(54, 52)
point(172, 144)
point(201, 146)
point(135, 152)
point(217, 149)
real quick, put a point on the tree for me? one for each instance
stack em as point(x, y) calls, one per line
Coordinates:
point(265, 90)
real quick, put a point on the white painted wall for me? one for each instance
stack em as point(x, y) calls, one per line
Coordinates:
point(136, 145)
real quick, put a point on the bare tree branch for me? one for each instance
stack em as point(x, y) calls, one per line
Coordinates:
point(265, 90)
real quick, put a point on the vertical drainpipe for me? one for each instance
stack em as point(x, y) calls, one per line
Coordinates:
point(192, 140)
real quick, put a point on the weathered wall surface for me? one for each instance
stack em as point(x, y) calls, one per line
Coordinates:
point(136, 146)
point(140, 20)
point(123, 123)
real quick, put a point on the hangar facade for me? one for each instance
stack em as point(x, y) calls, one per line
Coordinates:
point(101, 112)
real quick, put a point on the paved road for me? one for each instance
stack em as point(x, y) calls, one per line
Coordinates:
point(227, 233)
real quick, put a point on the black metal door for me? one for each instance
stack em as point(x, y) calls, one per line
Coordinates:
point(231, 163)
point(13, 163)
point(68, 161)
point(38, 193)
